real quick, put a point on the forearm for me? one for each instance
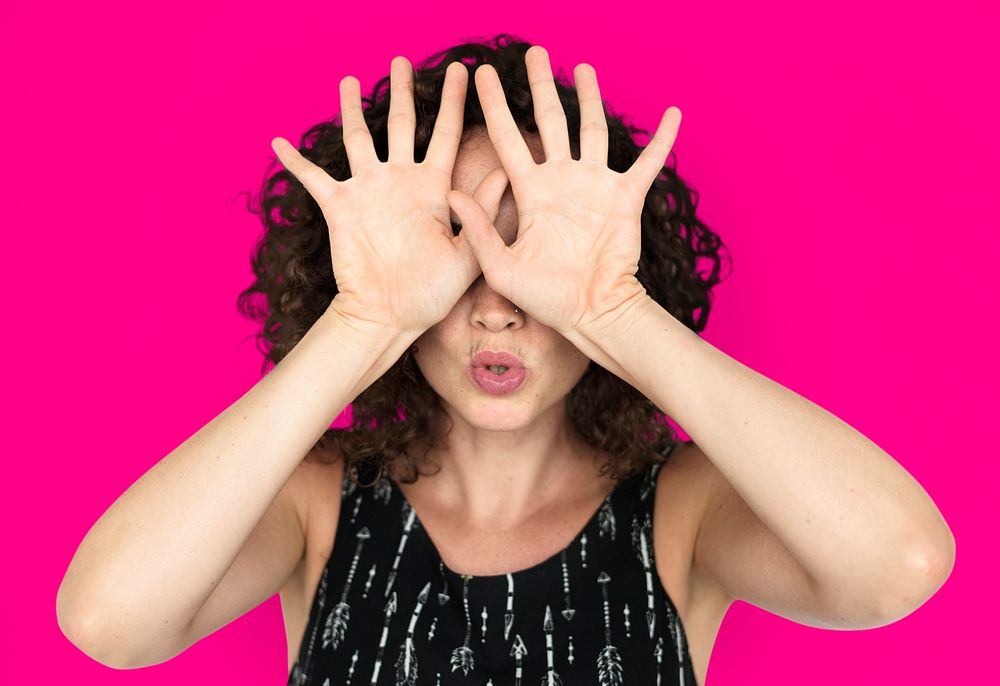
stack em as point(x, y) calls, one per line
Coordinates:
point(160, 549)
point(848, 512)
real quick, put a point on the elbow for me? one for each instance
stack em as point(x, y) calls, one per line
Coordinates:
point(109, 649)
point(892, 587)
point(77, 625)
point(923, 571)
point(80, 626)
point(103, 641)
point(85, 633)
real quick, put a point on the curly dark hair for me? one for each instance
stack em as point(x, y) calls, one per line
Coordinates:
point(291, 261)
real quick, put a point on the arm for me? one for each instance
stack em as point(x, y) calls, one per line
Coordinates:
point(137, 585)
point(149, 564)
point(855, 525)
point(865, 539)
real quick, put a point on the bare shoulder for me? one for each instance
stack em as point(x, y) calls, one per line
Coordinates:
point(318, 499)
point(686, 486)
point(683, 488)
point(316, 493)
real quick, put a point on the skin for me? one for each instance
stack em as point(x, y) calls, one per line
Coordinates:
point(806, 517)
point(802, 515)
point(796, 512)
point(479, 482)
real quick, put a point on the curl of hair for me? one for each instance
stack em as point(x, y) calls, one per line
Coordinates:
point(680, 263)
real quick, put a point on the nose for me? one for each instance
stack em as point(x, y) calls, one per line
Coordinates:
point(491, 310)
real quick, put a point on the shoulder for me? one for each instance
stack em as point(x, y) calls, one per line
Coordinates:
point(687, 485)
point(314, 487)
point(317, 492)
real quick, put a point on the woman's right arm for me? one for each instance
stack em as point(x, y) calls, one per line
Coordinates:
point(142, 575)
point(148, 565)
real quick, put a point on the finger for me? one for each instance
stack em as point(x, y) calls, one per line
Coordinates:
point(493, 255)
point(402, 122)
point(650, 163)
point(504, 134)
point(447, 136)
point(320, 185)
point(490, 192)
point(550, 117)
point(357, 138)
point(593, 121)
point(469, 261)
point(488, 196)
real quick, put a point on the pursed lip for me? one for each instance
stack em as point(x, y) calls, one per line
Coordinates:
point(490, 358)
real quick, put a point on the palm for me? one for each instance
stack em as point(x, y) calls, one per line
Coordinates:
point(577, 227)
point(579, 222)
point(395, 260)
point(412, 264)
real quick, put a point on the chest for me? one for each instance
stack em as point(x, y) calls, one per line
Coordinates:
point(484, 554)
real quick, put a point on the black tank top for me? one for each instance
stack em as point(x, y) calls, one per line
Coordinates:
point(388, 611)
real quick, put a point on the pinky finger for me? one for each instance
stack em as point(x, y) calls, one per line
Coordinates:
point(321, 186)
point(651, 160)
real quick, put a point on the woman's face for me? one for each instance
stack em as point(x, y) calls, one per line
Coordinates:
point(483, 319)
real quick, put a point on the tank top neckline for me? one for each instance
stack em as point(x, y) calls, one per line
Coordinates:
point(535, 570)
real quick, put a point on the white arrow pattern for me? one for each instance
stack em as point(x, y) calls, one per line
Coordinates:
point(619, 585)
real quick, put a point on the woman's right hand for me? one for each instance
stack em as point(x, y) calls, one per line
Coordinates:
point(396, 261)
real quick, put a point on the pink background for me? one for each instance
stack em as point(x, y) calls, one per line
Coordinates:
point(846, 155)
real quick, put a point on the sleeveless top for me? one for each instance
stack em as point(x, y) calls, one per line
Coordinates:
point(388, 611)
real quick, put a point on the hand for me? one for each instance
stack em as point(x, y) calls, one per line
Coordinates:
point(579, 223)
point(396, 261)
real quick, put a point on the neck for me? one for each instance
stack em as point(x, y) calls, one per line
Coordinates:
point(498, 479)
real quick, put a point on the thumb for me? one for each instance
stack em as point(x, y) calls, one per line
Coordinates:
point(480, 234)
point(490, 192)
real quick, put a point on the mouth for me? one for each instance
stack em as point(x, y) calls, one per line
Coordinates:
point(496, 372)
point(496, 361)
point(492, 383)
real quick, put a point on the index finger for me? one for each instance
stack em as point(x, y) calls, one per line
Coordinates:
point(649, 164)
point(503, 131)
point(321, 186)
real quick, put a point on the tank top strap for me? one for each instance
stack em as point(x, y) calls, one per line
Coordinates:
point(645, 502)
point(642, 539)
point(592, 613)
point(648, 486)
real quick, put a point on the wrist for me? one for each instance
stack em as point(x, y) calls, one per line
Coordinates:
point(370, 346)
point(618, 321)
point(639, 339)
point(369, 331)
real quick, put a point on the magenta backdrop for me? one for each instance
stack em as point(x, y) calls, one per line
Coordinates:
point(847, 155)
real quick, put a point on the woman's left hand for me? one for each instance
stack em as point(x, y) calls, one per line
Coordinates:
point(576, 253)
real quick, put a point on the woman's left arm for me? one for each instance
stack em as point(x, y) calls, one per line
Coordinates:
point(863, 544)
point(863, 531)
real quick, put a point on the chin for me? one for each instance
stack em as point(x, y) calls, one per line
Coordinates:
point(487, 413)
point(490, 415)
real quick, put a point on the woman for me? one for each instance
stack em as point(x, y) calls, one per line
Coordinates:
point(503, 510)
